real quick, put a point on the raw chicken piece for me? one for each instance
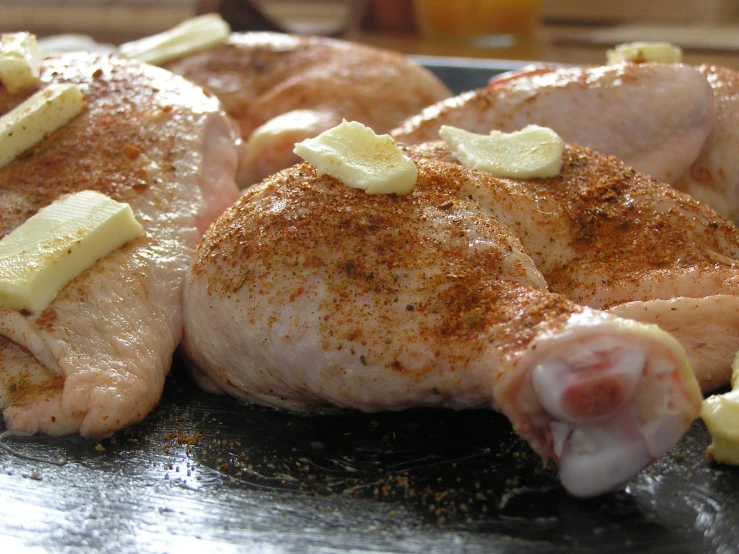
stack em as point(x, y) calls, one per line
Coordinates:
point(609, 237)
point(714, 176)
point(282, 89)
point(655, 117)
point(707, 327)
point(307, 294)
point(643, 120)
point(94, 361)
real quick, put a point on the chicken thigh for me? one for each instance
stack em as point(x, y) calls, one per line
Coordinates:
point(282, 89)
point(310, 295)
point(655, 117)
point(95, 359)
point(677, 123)
point(609, 237)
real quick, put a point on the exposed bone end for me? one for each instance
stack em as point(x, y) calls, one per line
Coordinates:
point(596, 459)
point(620, 395)
point(595, 381)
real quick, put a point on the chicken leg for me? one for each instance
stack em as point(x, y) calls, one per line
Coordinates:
point(312, 296)
point(655, 117)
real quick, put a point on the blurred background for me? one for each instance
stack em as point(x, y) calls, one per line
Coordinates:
point(569, 31)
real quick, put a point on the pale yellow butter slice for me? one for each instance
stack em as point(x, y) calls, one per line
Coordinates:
point(532, 152)
point(721, 416)
point(20, 61)
point(62, 240)
point(641, 52)
point(39, 116)
point(359, 158)
point(193, 35)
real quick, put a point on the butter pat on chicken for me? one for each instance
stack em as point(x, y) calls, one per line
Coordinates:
point(20, 60)
point(721, 415)
point(354, 154)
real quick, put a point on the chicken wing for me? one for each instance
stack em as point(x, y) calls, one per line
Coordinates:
point(95, 359)
point(282, 89)
point(310, 295)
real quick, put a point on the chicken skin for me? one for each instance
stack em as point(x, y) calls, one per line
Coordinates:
point(283, 88)
point(714, 176)
point(310, 295)
point(95, 359)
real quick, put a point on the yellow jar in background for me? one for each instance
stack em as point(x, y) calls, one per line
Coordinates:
point(484, 22)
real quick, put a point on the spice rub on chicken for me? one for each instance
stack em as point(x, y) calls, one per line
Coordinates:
point(609, 237)
point(94, 360)
point(310, 295)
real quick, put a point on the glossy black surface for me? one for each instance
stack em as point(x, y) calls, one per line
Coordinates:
point(463, 74)
point(205, 472)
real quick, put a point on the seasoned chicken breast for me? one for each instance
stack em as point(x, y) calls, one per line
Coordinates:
point(282, 89)
point(310, 295)
point(95, 359)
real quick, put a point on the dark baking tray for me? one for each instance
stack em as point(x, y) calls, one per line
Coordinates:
point(203, 471)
